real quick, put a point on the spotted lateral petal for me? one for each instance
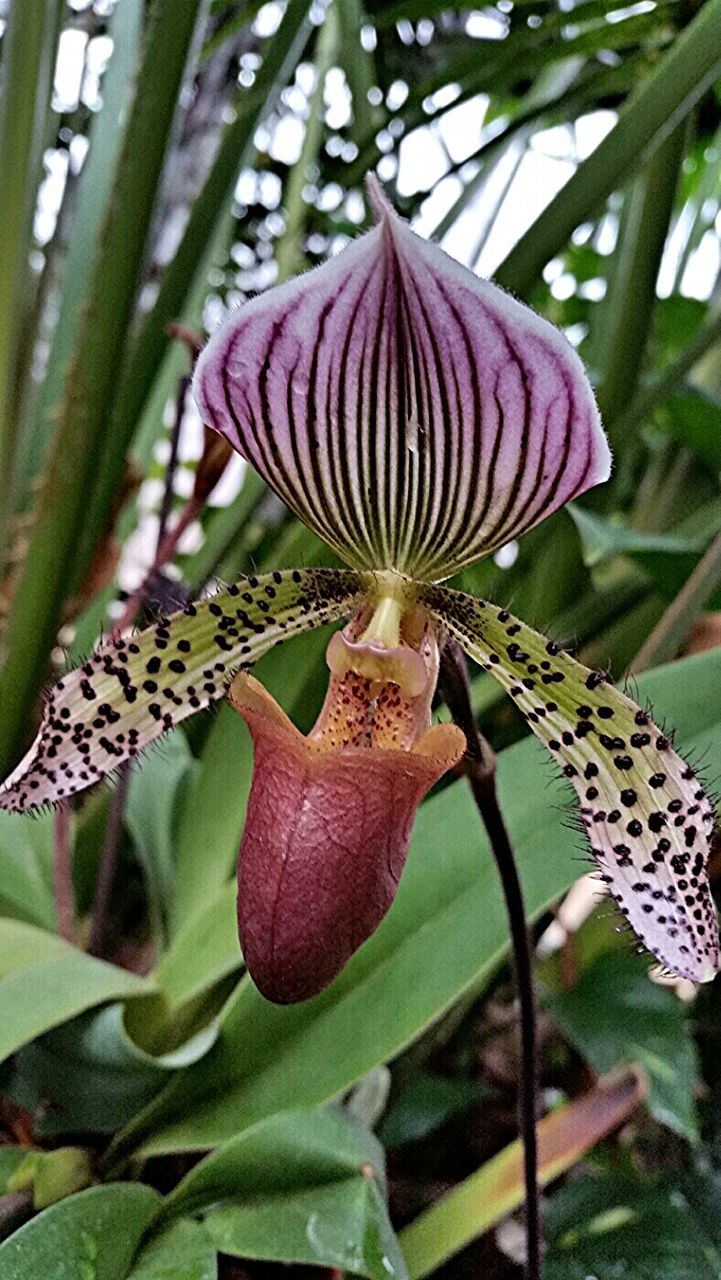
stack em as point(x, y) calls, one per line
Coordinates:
point(647, 817)
point(414, 416)
point(132, 689)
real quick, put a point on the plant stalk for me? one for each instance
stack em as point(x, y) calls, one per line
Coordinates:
point(167, 502)
point(648, 397)
point(479, 767)
point(632, 292)
point(673, 627)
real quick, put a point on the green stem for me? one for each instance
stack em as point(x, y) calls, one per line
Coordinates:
point(632, 295)
point(659, 388)
point(359, 66)
point(289, 255)
point(673, 627)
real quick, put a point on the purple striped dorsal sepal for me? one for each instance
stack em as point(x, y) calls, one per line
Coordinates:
point(414, 416)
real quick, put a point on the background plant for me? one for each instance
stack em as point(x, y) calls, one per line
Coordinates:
point(162, 160)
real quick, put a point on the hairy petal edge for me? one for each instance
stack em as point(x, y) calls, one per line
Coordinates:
point(134, 688)
point(647, 816)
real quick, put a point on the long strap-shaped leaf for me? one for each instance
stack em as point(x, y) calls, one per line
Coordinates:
point(280, 54)
point(133, 688)
point(646, 815)
point(64, 515)
point(28, 57)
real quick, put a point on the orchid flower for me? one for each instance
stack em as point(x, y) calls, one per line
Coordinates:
point(416, 418)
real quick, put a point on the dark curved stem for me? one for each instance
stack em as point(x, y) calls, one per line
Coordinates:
point(167, 502)
point(479, 766)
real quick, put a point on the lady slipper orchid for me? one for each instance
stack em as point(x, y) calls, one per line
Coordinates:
point(416, 418)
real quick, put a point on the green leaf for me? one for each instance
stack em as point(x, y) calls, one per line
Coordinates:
point(90, 1236)
point(223, 529)
point(182, 1251)
point(669, 573)
point(213, 817)
point(667, 559)
point(491, 67)
point(44, 981)
point(359, 66)
point(673, 313)
point(204, 952)
point(497, 1188)
point(230, 23)
point(627, 315)
point(289, 1152)
point(624, 1229)
point(342, 1226)
point(425, 1104)
point(697, 594)
point(694, 419)
point(614, 1015)
point(602, 539)
point(288, 251)
point(11, 1158)
point(664, 98)
point(53, 1175)
point(90, 1076)
point(445, 933)
point(155, 796)
point(105, 138)
point(26, 870)
point(28, 58)
point(189, 263)
point(298, 1188)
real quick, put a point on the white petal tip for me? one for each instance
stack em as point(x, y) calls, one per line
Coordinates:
point(604, 458)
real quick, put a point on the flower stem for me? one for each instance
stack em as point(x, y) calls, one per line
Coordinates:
point(479, 766)
point(166, 541)
point(673, 627)
point(170, 470)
